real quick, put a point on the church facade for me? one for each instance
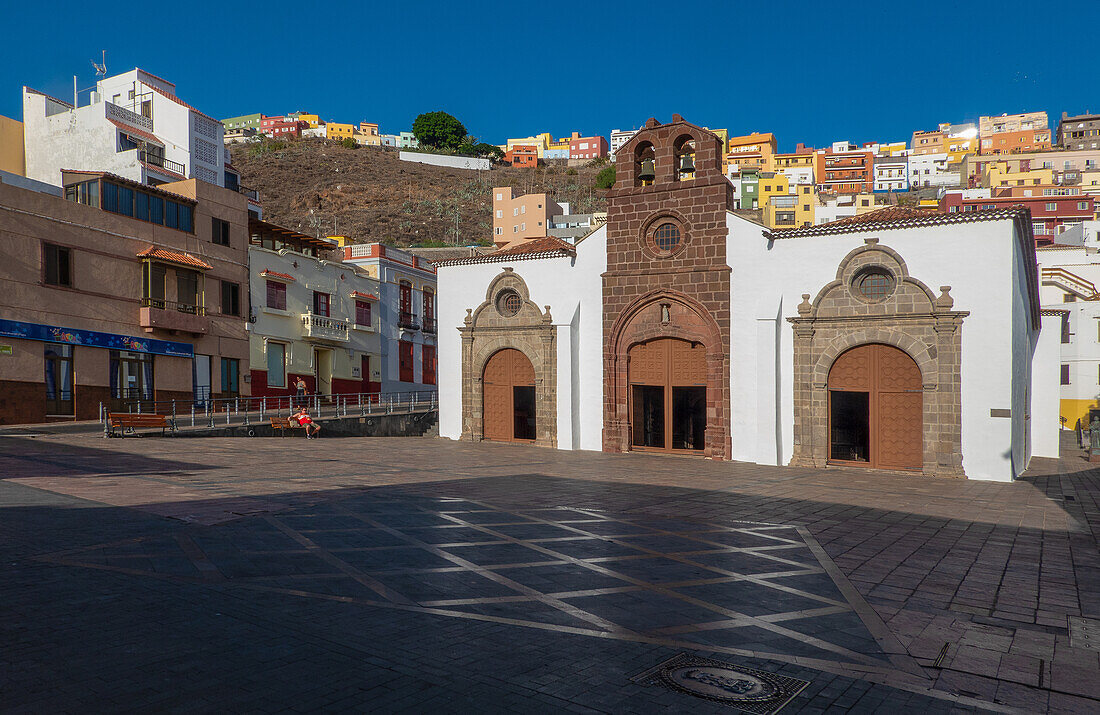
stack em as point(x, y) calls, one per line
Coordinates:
point(896, 340)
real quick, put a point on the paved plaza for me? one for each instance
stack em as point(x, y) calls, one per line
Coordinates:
point(418, 574)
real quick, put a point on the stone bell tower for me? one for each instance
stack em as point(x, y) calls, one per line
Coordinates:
point(668, 278)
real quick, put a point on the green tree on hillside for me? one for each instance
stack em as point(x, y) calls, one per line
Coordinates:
point(606, 178)
point(438, 130)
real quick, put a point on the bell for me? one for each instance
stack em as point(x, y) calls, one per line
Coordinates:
point(647, 173)
point(687, 164)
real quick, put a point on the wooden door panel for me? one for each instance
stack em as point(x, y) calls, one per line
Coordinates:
point(899, 426)
point(523, 372)
point(648, 363)
point(895, 370)
point(497, 412)
point(852, 370)
point(688, 363)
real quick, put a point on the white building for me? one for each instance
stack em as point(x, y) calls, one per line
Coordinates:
point(867, 342)
point(834, 207)
point(313, 317)
point(617, 139)
point(407, 310)
point(932, 170)
point(134, 126)
point(797, 175)
point(1070, 288)
point(891, 173)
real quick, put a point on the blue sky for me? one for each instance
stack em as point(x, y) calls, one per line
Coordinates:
point(808, 71)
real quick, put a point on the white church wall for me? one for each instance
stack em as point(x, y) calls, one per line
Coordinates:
point(565, 284)
point(996, 350)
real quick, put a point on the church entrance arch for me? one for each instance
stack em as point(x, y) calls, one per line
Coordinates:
point(509, 397)
point(876, 405)
point(668, 395)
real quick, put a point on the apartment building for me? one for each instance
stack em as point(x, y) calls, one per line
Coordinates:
point(1013, 133)
point(541, 142)
point(891, 173)
point(518, 216)
point(134, 126)
point(313, 317)
point(955, 140)
point(1072, 162)
point(12, 157)
point(752, 151)
point(932, 170)
point(618, 137)
point(524, 156)
point(1081, 131)
point(283, 127)
point(798, 166)
point(1054, 209)
point(845, 169)
point(244, 122)
point(367, 134)
point(339, 131)
point(119, 293)
point(406, 313)
point(587, 147)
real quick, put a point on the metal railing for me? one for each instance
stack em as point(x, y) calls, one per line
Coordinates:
point(253, 410)
point(173, 305)
point(429, 325)
point(407, 320)
point(158, 160)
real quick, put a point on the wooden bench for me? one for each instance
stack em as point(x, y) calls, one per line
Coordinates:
point(119, 423)
point(279, 426)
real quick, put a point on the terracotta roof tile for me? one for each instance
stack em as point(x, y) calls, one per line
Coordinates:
point(177, 257)
point(894, 217)
point(268, 273)
point(136, 132)
point(545, 247)
point(366, 296)
point(162, 170)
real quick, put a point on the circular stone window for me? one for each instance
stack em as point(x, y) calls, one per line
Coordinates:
point(667, 237)
point(508, 303)
point(874, 284)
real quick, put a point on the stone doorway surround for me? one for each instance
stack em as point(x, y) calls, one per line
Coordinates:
point(665, 314)
point(910, 318)
point(493, 326)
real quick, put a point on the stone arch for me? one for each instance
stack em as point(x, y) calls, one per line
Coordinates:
point(911, 319)
point(665, 313)
point(487, 331)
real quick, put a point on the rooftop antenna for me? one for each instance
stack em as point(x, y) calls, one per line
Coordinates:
point(100, 69)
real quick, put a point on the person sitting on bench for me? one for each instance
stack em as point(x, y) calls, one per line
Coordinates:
point(302, 419)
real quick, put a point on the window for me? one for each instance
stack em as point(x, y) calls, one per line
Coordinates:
point(667, 237)
point(1069, 298)
point(276, 364)
point(231, 298)
point(500, 214)
point(362, 314)
point(86, 192)
point(1082, 205)
point(1065, 374)
point(523, 209)
point(231, 371)
point(57, 261)
point(1065, 329)
point(320, 303)
point(874, 284)
point(276, 295)
point(429, 305)
point(187, 291)
point(508, 303)
point(219, 231)
point(427, 368)
point(499, 230)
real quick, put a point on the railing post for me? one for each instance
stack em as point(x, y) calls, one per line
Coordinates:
point(389, 410)
point(413, 407)
point(139, 406)
point(433, 402)
point(173, 411)
point(192, 414)
point(227, 414)
point(263, 407)
point(236, 405)
point(100, 411)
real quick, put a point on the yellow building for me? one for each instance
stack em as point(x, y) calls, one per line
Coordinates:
point(541, 142)
point(334, 130)
point(997, 174)
point(312, 120)
point(753, 151)
point(367, 134)
point(785, 205)
point(959, 146)
point(772, 184)
point(892, 149)
point(12, 158)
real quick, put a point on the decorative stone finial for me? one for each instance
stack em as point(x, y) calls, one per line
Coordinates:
point(677, 118)
point(945, 301)
point(805, 307)
point(469, 316)
point(651, 122)
point(546, 316)
point(870, 241)
point(507, 269)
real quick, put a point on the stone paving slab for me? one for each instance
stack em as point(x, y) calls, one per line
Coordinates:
point(408, 574)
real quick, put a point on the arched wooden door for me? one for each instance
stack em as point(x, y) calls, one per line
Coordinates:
point(508, 403)
point(668, 395)
point(876, 408)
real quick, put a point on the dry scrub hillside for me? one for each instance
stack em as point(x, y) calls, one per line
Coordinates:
point(320, 187)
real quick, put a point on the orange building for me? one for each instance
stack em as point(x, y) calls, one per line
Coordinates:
point(518, 216)
point(753, 151)
point(1017, 142)
point(524, 155)
point(845, 172)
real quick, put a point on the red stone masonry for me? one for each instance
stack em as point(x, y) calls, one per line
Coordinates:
point(694, 280)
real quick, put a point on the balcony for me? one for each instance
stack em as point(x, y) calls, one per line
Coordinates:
point(252, 194)
point(156, 314)
point(429, 325)
point(159, 161)
point(321, 327)
point(408, 321)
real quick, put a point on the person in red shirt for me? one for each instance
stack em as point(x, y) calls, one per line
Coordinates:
point(303, 420)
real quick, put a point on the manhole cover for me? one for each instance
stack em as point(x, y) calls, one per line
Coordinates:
point(1084, 633)
point(746, 689)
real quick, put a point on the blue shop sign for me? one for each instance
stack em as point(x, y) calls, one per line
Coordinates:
point(93, 339)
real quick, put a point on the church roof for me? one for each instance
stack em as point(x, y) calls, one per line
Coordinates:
point(893, 217)
point(547, 247)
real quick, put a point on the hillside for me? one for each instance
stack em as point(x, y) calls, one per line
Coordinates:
point(318, 186)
